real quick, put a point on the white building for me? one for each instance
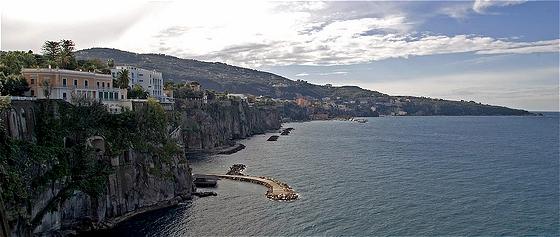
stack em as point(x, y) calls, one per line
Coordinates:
point(243, 97)
point(151, 81)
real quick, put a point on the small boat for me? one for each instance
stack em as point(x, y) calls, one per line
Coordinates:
point(202, 181)
point(361, 120)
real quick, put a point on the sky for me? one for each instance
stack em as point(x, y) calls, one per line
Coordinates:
point(494, 52)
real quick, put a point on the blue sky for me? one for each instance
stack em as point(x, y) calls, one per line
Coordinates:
point(495, 52)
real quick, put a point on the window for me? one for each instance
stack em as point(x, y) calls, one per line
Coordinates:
point(64, 82)
point(86, 83)
point(103, 84)
point(109, 84)
point(32, 93)
point(140, 74)
point(97, 84)
point(64, 96)
point(32, 81)
point(75, 82)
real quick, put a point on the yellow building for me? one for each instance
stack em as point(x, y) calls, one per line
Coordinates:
point(68, 84)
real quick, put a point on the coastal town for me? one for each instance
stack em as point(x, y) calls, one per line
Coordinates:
point(73, 130)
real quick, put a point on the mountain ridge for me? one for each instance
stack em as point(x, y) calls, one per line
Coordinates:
point(234, 79)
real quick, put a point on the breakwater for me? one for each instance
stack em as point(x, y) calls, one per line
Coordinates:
point(276, 189)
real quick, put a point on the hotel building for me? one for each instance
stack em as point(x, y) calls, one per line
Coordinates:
point(151, 81)
point(68, 84)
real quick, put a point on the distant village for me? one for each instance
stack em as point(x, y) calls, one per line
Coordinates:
point(57, 74)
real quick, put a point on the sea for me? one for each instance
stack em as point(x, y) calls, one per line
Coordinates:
point(391, 176)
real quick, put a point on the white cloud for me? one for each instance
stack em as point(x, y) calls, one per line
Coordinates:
point(480, 6)
point(333, 73)
point(254, 33)
point(302, 74)
point(536, 47)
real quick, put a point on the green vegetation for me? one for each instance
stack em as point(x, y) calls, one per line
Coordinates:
point(57, 54)
point(61, 153)
point(137, 92)
point(122, 79)
point(60, 54)
point(14, 85)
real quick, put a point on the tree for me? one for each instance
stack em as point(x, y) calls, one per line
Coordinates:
point(51, 52)
point(67, 59)
point(14, 85)
point(93, 65)
point(47, 85)
point(12, 62)
point(110, 63)
point(137, 92)
point(122, 79)
point(169, 85)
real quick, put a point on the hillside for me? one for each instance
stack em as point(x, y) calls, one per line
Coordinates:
point(219, 76)
point(222, 77)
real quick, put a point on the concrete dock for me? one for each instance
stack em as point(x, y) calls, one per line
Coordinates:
point(276, 189)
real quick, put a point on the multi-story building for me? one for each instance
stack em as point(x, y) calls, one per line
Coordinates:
point(151, 81)
point(68, 84)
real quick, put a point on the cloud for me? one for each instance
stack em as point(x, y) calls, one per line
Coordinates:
point(98, 26)
point(333, 73)
point(321, 74)
point(480, 6)
point(343, 46)
point(257, 33)
point(526, 48)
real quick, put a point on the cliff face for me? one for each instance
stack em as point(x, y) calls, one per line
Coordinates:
point(47, 198)
point(134, 181)
point(139, 183)
point(207, 127)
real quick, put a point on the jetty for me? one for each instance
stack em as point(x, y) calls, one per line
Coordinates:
point(276, 189)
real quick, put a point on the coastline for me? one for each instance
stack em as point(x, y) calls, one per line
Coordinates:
point(225, 150)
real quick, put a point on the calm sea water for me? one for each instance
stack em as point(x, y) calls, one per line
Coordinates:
point(391, 176)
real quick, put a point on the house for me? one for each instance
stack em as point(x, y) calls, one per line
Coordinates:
point(243, 97)
point(302, 102)
point(194, 85)
point(67, 84)
point(150, 80)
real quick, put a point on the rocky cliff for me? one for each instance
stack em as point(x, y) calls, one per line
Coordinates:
point(210, 126)
point(66, 168)
point(133, 188)
point(52, 183)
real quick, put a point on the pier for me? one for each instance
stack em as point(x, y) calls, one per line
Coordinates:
point(276, 189)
